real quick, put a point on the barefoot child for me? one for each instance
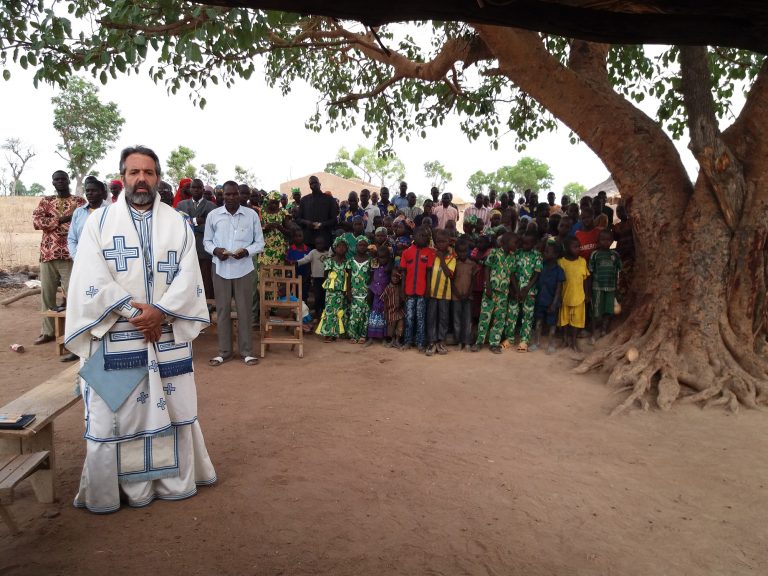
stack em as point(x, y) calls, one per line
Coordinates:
point(549, 286)
point(331, 324)
point(604, 267)
point(575, 293)
point(381, 270)
point(499, 267)
point(461, 293)
point(359, 277)
point(393, 309)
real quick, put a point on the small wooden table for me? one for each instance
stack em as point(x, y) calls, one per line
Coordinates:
point(58, 328)
point(46, 401)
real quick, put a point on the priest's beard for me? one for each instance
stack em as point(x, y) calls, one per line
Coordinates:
point(140, 194)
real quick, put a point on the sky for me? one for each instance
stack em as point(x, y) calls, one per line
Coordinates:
point(260, 129)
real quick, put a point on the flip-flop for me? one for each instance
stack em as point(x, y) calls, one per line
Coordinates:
point(216, 361)
point(522, 347)
point(250, 360)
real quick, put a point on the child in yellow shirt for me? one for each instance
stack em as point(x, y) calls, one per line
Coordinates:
point(575, 292)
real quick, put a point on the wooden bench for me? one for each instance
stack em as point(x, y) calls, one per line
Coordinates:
point(13, 469)
point(58, 328)
point(46, 401)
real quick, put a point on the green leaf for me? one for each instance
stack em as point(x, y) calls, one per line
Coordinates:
point(140, 40)
point(103, 77)
point(6, 74)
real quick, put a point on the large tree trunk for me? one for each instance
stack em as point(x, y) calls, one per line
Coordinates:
point(698, 316)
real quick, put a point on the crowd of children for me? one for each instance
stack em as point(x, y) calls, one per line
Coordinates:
point(529, 270)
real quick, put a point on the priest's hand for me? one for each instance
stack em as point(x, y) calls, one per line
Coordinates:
point(148, 322)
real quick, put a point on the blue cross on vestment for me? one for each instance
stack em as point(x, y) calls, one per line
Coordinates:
point(169, 388)
point(170, 267)
point(92, 291)
point(161, 404)
point(153, 366)
point(120, 253)
point(199, 290)
point(142, 397)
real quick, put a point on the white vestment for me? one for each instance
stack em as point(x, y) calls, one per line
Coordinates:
point(152, 445)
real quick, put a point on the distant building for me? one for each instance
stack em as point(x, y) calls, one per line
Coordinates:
point(611, 190)
point(336, 185)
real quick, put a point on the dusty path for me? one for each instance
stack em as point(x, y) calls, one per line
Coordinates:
point(393, 463)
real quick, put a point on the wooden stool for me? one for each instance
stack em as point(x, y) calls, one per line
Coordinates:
point(58, 328)
point(13, 469)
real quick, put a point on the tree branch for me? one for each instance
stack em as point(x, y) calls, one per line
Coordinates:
point(718, 163)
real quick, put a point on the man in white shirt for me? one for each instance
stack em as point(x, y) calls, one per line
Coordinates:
point(232, 236)
point(371, 210)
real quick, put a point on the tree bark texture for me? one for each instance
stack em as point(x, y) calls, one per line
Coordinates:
point(699, 313)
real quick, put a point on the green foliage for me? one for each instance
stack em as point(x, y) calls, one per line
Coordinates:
point(574, 191)
point(340, 168)
point(244, 176)
point(208, 173)
point(179, 164)
point(188, 46)
point(527, 174)
point(36, 189)
point(88, 128)
point(372, 165)
point(436, 172)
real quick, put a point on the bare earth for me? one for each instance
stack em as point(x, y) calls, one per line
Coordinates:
point(393, 463)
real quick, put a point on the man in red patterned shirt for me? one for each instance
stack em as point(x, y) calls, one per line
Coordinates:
point(52, 216)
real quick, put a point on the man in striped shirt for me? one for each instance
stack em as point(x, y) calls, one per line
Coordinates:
point(479, 209)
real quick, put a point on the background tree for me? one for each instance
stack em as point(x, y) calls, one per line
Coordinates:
point(17, 154)
point(374, 165)
point(437, 174)
point(88, 127)
point(340, 168)
point(479, 182)
point(245, 176)
point(179, 164)
point(527, 174)
point(36, 189)
point(701, 344)
point(208, 173)
point(574, 191)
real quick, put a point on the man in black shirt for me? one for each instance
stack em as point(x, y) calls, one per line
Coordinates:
point(318, 213)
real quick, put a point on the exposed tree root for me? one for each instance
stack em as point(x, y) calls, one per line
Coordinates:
point(679, 363)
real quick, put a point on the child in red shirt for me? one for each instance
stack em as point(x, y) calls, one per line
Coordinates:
point(416, 262)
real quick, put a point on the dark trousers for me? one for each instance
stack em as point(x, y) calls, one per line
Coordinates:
point(462, 321)
point(205, 272)
point(438, 315)
point(317, 286)
point(415, 321)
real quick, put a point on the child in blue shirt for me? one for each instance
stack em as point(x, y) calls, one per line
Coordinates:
point(296, 251)
point(549, 285)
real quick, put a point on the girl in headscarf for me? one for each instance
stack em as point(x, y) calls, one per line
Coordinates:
point(331, 324)
point(359, 277)
point(272, 223)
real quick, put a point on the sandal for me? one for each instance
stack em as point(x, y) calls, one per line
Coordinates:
point(250, 360)
point(522, 347)
point(216, 361)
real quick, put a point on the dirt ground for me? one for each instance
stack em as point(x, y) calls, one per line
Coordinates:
point(393, 463)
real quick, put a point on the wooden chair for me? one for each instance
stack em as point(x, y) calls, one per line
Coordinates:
point(280, 294)
point(58, 328)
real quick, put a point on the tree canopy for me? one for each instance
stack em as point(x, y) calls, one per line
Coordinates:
point(527, 174)
point(437, 173)
point(367, 164)
point(88, 127)
point(179, 164)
